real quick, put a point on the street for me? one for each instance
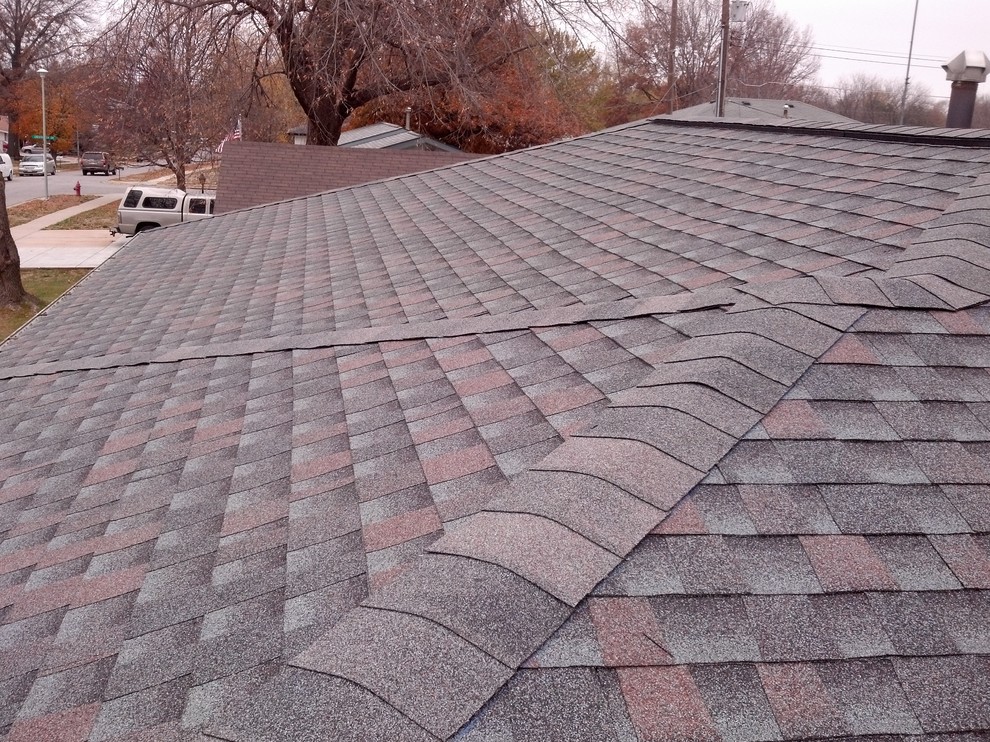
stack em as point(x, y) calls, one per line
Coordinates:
point(22, 189)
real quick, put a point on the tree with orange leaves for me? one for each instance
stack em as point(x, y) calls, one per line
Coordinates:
point(63, 111)
point(547, 92)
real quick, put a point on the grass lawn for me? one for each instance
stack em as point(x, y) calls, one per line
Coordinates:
point(102, 217)
point(146, 175)
point(31, 210)
point(192, 177)
point(45, 283)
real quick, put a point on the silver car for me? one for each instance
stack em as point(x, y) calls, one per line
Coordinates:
point(32, 165)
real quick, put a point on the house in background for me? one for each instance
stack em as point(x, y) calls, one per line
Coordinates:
point(380, 136)
point(766, 110)
point(676, 431)
point(305, 171)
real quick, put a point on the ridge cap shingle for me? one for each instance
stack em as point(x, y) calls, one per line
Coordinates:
point(684, 302)
point(954, 250)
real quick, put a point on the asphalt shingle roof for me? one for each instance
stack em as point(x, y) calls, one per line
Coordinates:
point(769, 110)
point(676, 431)
point(288, 171)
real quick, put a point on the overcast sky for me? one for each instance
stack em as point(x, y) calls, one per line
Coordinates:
point(873, 36)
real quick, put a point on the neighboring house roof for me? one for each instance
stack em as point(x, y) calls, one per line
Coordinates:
point(762, 109)
point(383, 135)
point(675, 431)
point(291, 171)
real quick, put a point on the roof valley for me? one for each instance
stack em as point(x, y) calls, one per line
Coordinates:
point(552, 534)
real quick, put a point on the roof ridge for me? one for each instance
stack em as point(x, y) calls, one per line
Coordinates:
point(547, 532)
point(979, 138)
point(913, 292)
point(953, 249)
point(443, 328)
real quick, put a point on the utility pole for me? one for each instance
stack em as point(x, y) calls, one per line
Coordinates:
point(723, 62)
point(671, 59)
point(907, 77)
point(44, 130)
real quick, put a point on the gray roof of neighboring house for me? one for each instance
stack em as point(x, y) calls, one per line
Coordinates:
point(762, 109)
point(674, 431)
point(383, 135)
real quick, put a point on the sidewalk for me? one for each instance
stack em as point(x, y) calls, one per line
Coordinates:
point(66, 248)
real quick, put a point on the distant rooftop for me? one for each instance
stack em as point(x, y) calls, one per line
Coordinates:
point(308, 170)
point(383, 135)
point(762, 109)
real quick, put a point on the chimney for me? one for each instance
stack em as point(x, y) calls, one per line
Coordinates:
point(409, 118)
point(966, 71)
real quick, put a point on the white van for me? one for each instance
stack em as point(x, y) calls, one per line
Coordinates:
point(144, 208)
point(6, 166)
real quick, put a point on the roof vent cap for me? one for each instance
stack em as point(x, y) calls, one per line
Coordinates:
point(967, 66)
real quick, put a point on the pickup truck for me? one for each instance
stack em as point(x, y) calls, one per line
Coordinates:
point(144, 208)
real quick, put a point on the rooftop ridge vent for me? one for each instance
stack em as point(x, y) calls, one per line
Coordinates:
point(978, 138)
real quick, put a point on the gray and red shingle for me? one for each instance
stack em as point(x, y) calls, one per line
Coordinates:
point(676, 431)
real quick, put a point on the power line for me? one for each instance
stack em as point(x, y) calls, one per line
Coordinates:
point(871, 52)
point(844, 51)
point(875, 61)
point(841, 88)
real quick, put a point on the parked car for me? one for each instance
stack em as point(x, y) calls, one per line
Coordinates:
point(97, 162)
point(30, 149)
point(144, 208)
point(6, 167)
point(37, 165)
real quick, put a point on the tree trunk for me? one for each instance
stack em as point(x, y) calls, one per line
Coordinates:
point(324, 123)
point(12, 293)
point(326, 109)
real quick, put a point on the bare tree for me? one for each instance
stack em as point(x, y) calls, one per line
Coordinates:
point(873, 100)
point(37, 31)
point(769, 56)
point(981, 113)
point(169, 81)
point(31, 33)
point(339, 55)
point(34, 33)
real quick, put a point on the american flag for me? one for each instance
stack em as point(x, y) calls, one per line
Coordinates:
point(235, 135)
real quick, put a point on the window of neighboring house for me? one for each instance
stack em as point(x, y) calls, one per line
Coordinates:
point(133, 197)
point(160, 202)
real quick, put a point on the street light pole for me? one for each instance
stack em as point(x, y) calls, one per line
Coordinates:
point(44, 130)
point(907, 76)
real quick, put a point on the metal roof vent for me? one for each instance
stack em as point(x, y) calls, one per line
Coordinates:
point(966, 71)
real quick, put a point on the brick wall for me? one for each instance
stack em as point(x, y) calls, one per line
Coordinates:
point(253, 173)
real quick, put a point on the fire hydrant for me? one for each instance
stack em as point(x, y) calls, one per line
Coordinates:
point(78, 189)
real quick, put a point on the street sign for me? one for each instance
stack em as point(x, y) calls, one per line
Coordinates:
point(51, 138)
